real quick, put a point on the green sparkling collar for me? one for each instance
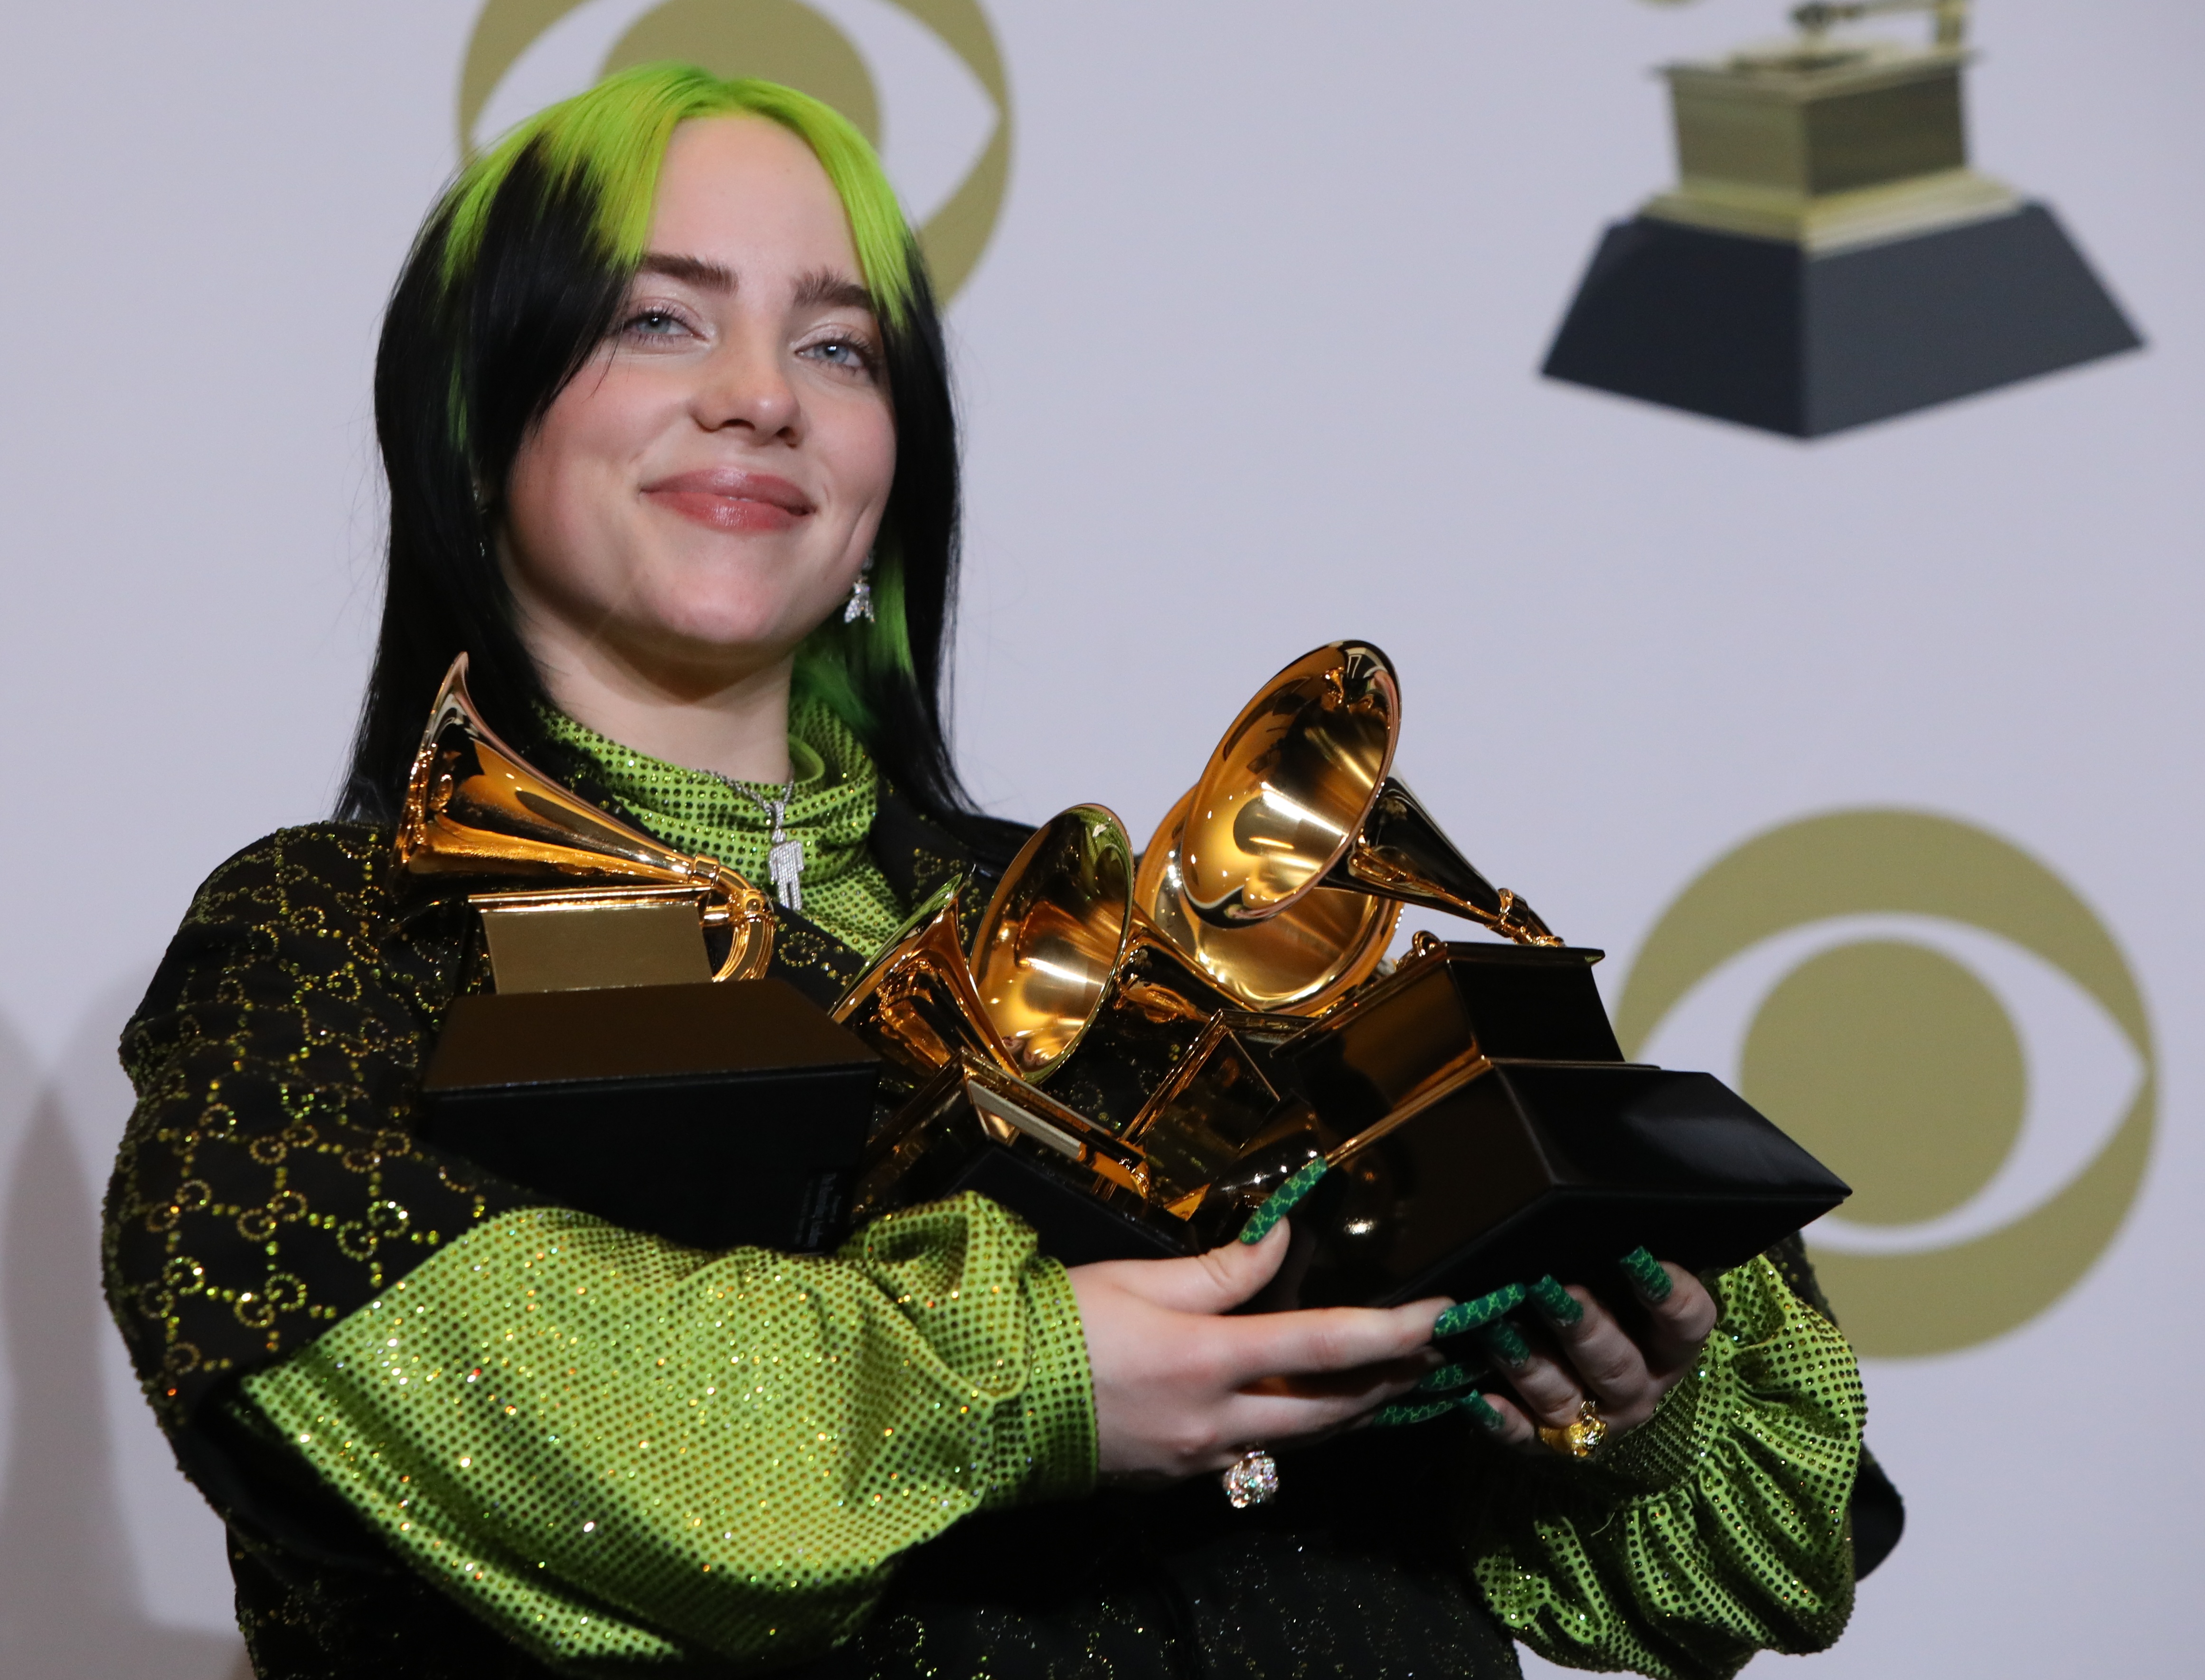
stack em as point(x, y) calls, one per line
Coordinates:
point(831, 810)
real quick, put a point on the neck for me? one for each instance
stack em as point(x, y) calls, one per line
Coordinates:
point(729, 723)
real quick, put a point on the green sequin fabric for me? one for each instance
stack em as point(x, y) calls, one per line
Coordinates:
point(831, 813)
point(268, 1182)
point(269, 1193)
point(1716, 1530)
point(614, 1450)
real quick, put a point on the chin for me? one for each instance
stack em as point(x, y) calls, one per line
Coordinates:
point(757, 598)
point(721, 632)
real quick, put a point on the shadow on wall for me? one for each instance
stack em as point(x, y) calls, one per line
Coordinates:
point(69, 1605)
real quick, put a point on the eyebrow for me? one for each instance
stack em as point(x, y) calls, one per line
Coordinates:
point(837, 291)
point(710, 277)
point(819, 286)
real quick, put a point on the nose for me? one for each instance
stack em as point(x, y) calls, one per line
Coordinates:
point(744, 385)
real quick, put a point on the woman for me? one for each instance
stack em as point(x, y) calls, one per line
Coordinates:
point(664, 406)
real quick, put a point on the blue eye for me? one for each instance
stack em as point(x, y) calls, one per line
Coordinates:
point(841, 353)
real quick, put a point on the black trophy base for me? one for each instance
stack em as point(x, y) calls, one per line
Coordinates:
point(1537, 1168)
point(1454, 1001)
point(1760, 332)
point(1072, 1224)
point(714, 1116)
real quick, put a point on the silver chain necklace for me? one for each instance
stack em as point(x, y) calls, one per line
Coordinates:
point(784, 857)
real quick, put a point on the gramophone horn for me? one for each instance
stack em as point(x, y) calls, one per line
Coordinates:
point(915, 1003)
point(1294, 962)
point(1401, 853)
point(1063, 962)
point(1054, 936)
point(1298, 796)
point(477, 809)
point(1046, 963)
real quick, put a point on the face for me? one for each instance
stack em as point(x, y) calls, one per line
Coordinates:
point(702, 493)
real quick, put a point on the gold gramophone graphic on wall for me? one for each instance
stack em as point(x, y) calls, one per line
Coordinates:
point(1829, 256)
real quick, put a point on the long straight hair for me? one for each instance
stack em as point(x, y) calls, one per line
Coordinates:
point(514, 280)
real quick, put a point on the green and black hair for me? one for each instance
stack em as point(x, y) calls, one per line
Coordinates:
point(515, 280)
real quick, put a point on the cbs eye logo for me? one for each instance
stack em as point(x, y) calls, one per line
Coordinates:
point(1946, 1024)
point(923, 81)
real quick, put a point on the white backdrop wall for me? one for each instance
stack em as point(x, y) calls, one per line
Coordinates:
point(1248, 364)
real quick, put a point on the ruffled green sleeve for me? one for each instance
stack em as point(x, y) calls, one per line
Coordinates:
point(1715, 1530)
point(618, 1451)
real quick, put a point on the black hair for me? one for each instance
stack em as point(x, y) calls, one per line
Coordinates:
point(484, 328)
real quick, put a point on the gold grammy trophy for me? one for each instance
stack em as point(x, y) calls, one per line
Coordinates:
point(1135, 1058)
point(1207, 1026)
point(628, 910)
point(620, 1065)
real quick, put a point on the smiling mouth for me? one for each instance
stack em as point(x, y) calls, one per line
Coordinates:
point(733, 502)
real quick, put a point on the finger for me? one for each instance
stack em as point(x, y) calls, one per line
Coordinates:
point(1215, 1281)
point(1328, 1338)
point(1281, 1418)
point(1547, 1385)
point(1603, 1359)
point(1504, 1422)
point(1412, 1370)
point(1681, 1313)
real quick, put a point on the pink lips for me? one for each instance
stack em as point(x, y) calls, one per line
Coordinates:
point(726, 498)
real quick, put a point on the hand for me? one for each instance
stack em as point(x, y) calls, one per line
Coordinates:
point(1180, 1389)
point(1625, 1370)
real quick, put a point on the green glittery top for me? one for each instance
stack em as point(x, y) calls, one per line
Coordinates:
point(830, 813)
point(614, 1450)
point(592, 1452)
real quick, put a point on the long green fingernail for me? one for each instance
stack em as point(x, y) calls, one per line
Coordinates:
point(1508, 1345)
point(1447, 1380)
point(1559, 1306)
point(1467, 1316)
point(1648, 1276)
point(1282, 1201)
point(1399, 1416)
point(1488, 1419)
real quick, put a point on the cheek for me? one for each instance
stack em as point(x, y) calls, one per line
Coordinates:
point(558, 496)
point(864, 444)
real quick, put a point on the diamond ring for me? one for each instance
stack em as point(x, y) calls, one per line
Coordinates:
point(1252, 1480)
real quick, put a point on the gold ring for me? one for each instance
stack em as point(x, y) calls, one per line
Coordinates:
point(1253, 1479)
point(1579, 1438)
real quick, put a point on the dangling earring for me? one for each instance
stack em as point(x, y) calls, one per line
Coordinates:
point(860, 603)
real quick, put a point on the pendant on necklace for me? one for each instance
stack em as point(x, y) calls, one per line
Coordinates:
point(784, 857)
point(784, 862)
